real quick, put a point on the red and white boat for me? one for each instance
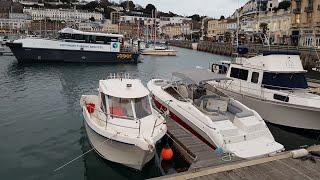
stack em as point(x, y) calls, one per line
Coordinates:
point(215, 118)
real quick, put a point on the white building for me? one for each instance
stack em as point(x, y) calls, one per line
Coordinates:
point(19, 16)
point(14, 25)
point(109, 27)
point(62, 14)
point(172, 20)
point(136, 19)
point(254, 6)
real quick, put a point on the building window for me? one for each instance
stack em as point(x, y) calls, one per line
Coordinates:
point(308, 41)
point(318, 41)
point(297, 18)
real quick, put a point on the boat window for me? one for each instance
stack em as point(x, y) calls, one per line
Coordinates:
point(142, 107)
point(281, 98)
point(87, 38)
point(255, 77)
point(100, 39)
point(239, 73)
point(174, 92)
point(78, 36)
point(284, 81)
point(120, 107)
point(93, 39)
point(103, 102)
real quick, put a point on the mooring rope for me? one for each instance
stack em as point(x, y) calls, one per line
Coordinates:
point(76, 158)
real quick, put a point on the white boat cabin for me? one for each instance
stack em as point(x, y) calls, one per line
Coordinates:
point(127, 99)
point(268, 76)
point(72, 35)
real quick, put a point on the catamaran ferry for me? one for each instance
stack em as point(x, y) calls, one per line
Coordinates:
point(74, 46)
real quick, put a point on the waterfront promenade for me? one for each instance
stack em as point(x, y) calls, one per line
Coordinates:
point(309, 56)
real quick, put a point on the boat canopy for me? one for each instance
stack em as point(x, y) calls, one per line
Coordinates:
point(74, 31)
point(198, 75)
point(123, 88)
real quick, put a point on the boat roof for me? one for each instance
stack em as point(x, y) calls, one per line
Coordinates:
point(123, 88)
point(282, 63)
point(74, 31)
point(199, 75)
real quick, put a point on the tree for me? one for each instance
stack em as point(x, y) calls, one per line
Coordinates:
point(107, 11)
point(92, 19)
point(263, 27)
point(124, 4)
point(149, 8)
point(104, 3)
point(222, 17)
point(195, 17)
point(227, 36)
point(91, 6)
point(284, 5)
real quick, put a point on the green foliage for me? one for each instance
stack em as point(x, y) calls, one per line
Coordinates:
point(263, 27)
point(195, 17)
point(91, 6)
point(149, 8)
point(131, 5)
point(107, 12)
point(284, 5)
point(92, 19)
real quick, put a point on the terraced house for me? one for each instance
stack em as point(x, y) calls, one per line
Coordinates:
point(305, 29)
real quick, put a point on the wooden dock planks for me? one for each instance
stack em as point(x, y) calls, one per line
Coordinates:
point(282, 167)
point(206, 164)
point(202, 155)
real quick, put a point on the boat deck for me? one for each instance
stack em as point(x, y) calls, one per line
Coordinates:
point(195, 151)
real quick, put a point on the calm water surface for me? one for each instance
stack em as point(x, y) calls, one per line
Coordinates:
point(41, 126)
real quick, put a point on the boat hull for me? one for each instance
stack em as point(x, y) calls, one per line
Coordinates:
point(279, 113)
point(122, 153)
point(58, 55)
point(159, 52)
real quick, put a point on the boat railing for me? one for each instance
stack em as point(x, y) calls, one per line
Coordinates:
point(126, 117)
point(119, 76)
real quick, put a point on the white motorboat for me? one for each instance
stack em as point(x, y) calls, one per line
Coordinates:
point(216, 119)
point(120, 122)
point(274, 85)
point(159, 51)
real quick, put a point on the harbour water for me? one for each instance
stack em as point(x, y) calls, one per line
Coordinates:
point(41, 125)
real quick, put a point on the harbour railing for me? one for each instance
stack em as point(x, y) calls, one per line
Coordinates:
point(111, 116)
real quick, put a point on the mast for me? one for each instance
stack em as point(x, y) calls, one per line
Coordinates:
point(154, 24)
point(238, 27)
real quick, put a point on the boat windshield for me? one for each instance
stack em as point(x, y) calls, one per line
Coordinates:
point(142, 107)
point(284, 81)
point(120, 107)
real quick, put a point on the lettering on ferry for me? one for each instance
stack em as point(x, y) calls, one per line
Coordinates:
point(81, 46)
point(124, 56)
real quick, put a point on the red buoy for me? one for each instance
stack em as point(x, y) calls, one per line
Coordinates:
point(91, 107)
point(167, 153)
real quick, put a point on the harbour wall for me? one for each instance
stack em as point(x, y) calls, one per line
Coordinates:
point(309, 56)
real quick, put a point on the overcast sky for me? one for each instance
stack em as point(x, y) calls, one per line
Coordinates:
point(213, 8)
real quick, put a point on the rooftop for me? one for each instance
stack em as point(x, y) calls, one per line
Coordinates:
point(123, 88)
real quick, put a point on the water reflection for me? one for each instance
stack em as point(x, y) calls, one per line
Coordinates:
point(42, 126)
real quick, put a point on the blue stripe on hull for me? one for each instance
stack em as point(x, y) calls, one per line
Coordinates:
point(55, 55)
